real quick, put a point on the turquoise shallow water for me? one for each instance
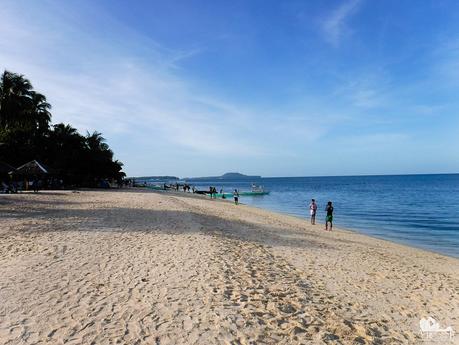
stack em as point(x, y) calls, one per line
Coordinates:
point(418, 210)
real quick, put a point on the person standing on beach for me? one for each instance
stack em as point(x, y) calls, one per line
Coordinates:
point(329, 216)
point(313, 211)
point(236, 196)
point(35, 184)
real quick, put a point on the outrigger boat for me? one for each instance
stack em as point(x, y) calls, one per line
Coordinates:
point(254, 193)
point(224, 195)
point(256, 190)
point(156, 187)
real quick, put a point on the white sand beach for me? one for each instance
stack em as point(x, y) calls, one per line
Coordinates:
point(139, 267)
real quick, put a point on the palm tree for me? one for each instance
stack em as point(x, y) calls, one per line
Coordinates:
point(25, 134)
point(40, 114)
point(64, 130)
point(65, 136)
point(20, 106)
point(96, 142)
point(15, 98)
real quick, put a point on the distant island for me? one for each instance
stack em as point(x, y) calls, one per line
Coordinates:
point(156, 178)
point(227, 176)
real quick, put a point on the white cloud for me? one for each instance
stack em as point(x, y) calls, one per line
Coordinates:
point(95, 85)
point(367, 89)
point(335, 25)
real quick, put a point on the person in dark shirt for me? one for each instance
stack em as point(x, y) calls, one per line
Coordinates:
point(329, 216)
point(236, 197)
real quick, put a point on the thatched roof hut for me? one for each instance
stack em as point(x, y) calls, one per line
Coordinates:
point(32, 168)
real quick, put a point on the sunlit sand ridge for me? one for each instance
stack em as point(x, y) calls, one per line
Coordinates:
point(149, 268)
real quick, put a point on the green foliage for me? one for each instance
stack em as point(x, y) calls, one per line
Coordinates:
point(26, 134)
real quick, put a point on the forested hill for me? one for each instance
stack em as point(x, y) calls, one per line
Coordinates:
point(227, 176)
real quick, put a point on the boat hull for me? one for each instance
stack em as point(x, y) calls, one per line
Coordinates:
point(254, 193)
point(230, 195)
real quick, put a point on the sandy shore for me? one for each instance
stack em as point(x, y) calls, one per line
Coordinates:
point(150, 268)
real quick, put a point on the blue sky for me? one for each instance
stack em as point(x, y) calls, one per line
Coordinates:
point(276, 88)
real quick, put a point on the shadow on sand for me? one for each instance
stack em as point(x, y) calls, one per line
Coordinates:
point(122, 219)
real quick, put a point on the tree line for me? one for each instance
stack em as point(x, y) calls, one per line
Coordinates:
point(26, 133)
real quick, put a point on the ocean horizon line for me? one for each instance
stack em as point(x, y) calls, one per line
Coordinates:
point(309, 176)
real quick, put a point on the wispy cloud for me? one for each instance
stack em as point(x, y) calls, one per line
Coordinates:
point(334, 25)
point(159, 111)
point(369, 88)
point(102, 87)
point(95, 85)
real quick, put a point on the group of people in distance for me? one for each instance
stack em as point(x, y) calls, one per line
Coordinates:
point(328, 217)
point(213, 194)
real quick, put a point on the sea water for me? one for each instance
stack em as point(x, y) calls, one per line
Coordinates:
point(418, 210)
